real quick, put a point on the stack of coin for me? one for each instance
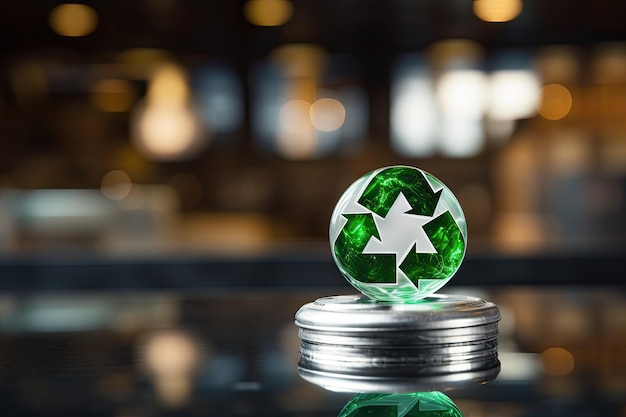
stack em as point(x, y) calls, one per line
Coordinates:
point(355, 343)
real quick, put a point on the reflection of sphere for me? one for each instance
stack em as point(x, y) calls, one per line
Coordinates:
point(165, 132)
point(413, 404)
point(398, 234)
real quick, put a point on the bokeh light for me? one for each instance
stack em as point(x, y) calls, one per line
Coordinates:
point(116, 185)
point(327, 114)
point(73, 19)
point(413, 116)
point(171, 357)
point(413, 112)
point(168, 85)
point(166, 130)
point(461, 138)
point(294, 115)
point(513, 94)
point(268, 12)
point(555, 103)
point(557, 361)
point(165, 127)
point(462, 94)
point(497, 10)
point(520, 232)
point(296, 138)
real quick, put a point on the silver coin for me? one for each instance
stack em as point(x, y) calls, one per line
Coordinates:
point(457, 336)
point(334, 381)
point(379, 367)
point(353, 338)
point(386, 357)
point(378, 360)
point(446, 350)
point(351, 313)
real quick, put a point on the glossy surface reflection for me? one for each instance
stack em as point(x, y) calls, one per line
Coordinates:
point(235, 353)
point(416, 404)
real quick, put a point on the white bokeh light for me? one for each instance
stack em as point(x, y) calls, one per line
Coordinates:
point(462, 93)
point(165, 127)
point(461, 138)
point(296, 137)
point(166, 130)
point(462, 97)
point(327, 114)
point(414, 116)
point(513, 94)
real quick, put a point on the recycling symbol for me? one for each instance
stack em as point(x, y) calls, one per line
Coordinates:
point(398, 233)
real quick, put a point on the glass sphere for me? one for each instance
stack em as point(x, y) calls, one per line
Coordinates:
point(398, 234)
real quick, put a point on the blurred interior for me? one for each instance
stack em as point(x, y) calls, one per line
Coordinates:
point(234, 126)
point(200, 146)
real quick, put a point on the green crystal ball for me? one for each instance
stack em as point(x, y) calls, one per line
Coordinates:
point(398, 234)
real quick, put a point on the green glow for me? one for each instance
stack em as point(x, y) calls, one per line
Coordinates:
point(416, 404)
point(384, 276)
point(446, 237)
point(349, 247)
point(385, 187)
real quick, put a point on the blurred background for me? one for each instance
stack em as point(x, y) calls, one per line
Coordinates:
point(234, 126)
point(150, 147)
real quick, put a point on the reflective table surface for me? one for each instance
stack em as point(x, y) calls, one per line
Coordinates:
point(219, 352)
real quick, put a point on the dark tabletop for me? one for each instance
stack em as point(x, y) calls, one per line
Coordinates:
point(235, 352)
